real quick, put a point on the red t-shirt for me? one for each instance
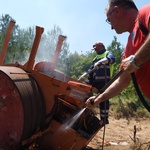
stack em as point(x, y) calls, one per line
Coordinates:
point(135, 40)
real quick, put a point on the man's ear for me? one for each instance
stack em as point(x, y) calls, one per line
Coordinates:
point(117, 10)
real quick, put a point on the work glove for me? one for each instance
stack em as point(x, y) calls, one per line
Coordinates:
point(83, 77)
point(100, 62)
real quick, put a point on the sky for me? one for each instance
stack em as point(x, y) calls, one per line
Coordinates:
point(82, 21)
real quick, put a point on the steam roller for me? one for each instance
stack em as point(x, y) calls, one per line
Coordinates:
point(38, 103)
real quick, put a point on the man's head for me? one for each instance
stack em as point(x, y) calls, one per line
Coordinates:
point(123, 3)
point(98, 46)
point(121, 14)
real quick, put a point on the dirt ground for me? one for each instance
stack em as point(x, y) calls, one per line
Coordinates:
point(120, 134)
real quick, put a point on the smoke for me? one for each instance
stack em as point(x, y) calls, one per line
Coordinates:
point(46, 50)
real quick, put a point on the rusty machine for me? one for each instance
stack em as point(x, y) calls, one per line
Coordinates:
point(37, 102)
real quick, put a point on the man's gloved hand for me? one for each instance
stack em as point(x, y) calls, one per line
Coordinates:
point(100, 62)
point(83, 77)
point(97, 64)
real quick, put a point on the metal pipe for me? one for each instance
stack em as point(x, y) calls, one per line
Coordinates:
point(6, 41)
point(61, 38)
point(30, 63)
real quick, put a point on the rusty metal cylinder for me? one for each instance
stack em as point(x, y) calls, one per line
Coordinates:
point(21, 107)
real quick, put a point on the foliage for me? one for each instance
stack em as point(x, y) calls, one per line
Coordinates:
point(78, 64)
point(20, 41)
point(117, 50)
point(128, 107)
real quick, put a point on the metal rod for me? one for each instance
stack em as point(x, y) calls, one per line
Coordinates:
point(6, 41)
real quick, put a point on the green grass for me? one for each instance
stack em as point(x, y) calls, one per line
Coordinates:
point(128, 107)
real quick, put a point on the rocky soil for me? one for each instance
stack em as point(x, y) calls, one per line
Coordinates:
point(123, 134)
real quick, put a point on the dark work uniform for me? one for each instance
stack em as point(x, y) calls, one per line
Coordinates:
point(100, 77)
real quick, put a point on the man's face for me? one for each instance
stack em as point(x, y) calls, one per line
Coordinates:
point(108, 14)
point(113, 18)
point(98, 47)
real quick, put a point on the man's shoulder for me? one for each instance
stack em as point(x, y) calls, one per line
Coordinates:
point(144, 15)
point(144, 9)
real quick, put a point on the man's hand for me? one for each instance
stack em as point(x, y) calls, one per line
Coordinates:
point(127, 65)
point(92, 102)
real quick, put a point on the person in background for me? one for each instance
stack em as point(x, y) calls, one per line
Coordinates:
point(101, 75)
point(123, 16)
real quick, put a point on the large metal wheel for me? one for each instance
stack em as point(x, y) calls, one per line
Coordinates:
point(21, 107)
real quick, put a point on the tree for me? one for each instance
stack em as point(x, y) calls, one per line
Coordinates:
point(116, 48)
point(20, 42)
point(79, 63)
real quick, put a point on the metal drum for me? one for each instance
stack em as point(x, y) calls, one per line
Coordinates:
point(21, 107)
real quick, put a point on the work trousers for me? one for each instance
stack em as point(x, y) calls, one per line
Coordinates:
point(103, 106)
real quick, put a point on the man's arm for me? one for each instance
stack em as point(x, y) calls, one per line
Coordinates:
point(111, 57)
point(113, 90)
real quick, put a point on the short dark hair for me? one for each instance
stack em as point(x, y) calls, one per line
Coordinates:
point(126, 4)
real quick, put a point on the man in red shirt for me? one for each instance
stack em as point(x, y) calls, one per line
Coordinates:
point(123, 16)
